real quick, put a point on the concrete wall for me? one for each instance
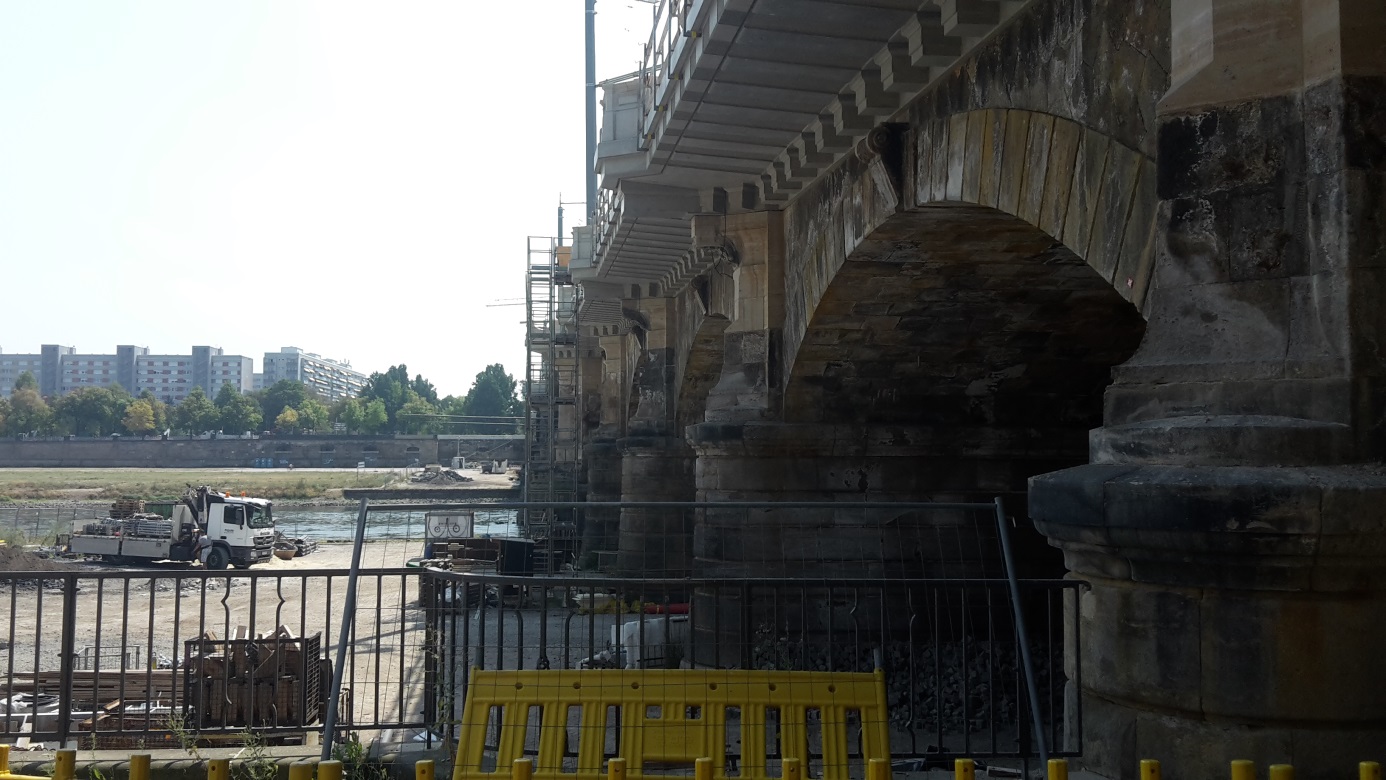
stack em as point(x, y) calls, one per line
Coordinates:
point(316, 451)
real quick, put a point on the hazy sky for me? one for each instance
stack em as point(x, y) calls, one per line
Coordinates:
point(353, 178)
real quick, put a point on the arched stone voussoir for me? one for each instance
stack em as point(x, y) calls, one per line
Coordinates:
point(1085, 189)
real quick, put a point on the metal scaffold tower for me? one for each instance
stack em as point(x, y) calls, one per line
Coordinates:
point(552, 441)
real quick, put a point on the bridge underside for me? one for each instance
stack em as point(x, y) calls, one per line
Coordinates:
point(1114, 262)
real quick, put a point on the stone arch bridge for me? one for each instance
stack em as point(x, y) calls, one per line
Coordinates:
point(1119, 262)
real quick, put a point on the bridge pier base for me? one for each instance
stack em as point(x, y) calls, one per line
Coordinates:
point(655, 542)
point(1234, 611)
point(601, 527)
point(771, 461)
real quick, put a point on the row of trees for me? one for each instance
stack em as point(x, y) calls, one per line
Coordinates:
point(390, 403)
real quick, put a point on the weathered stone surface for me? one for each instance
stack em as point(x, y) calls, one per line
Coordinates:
point(655, 542)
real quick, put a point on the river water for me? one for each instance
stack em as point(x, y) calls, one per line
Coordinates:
point(339, 525)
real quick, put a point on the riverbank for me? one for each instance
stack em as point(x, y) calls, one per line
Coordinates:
point(61, 487)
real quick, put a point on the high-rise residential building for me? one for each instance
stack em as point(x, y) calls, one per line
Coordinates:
point(331, 379)
point(60, 370)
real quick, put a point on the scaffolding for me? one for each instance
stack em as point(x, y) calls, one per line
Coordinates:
point(552, 445)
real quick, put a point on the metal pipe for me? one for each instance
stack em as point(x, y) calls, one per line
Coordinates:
point(1023, 638)
point(329, 723)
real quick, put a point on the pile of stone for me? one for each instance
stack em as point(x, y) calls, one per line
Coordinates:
point(439, 476)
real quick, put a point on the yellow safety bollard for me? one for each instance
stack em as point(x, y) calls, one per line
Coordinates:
point(1369, 770)
point(1282, 772)
point(616, 769)
point(301, 770)
point(964, 769)
point(522, 769)
point(139, 766)
point(4, 759)
point(702, 769)
point(878, 769)
point(1058, 769)
point(330, 770)
point(423, 770)
point(1243, 769)
point(218, 769)
point(1150, 769)
point(65, 765)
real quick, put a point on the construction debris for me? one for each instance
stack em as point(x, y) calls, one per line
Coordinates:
point(439, 476)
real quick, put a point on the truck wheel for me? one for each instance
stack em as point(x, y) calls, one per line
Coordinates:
point(218, 558)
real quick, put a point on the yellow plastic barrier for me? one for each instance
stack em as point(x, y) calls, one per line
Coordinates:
point(667, 716)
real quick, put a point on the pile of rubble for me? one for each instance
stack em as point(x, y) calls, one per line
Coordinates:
point(439, 476)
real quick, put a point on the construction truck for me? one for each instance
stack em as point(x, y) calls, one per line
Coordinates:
point(240, 529)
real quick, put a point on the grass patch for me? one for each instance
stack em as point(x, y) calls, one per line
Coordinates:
point(169, 484)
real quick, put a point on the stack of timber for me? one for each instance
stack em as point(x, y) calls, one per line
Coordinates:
point(91, 689)
point(270, 680)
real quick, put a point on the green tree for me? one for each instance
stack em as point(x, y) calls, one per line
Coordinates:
point(351, 414)
point(25, 381)
point(139, 417)
point(92, 411)
point(28, 413)
point(226, 394)
point(159, 408)
point(197, 413)
point(4, 413)
point(286, 393)
point(287, 419)
point(492, 395)
point(374, 418)
point(424, 389)
point(241, 413)
point(416, 416)
point(312, 415)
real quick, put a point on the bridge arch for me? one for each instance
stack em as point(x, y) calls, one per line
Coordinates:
point(1082, 187)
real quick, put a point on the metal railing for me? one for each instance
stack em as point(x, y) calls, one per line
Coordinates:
point(949, 648)
point(657, 62)
point(227, 653)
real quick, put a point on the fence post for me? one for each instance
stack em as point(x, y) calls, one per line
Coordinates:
point(301, 770)
point(1243, 769)
point(1058, 769)
point(68, 654)
point(1369, 770)
point(1150, 769)
point(964, 769)
point(218, 769)
point(616, 769)
point(139, 766)
point(423, 770)
point(65, 765)
point(522, 769)
point(702, 769)
point(330, 770)
point(1282, 772)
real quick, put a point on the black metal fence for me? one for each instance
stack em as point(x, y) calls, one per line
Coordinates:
point(221, 654)
point(172, 656)
point(949, 648)
point(40, 525)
